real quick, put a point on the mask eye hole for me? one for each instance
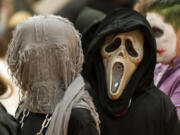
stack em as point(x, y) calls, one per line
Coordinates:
point(157, 32)
point(114, 45)
point(130, 49)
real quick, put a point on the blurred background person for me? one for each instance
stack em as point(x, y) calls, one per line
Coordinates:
point(69, 8)
point(73, 8)
point(6, 86)
point(9, 95)
point(164, 18)
point(142, 6)
point(6, 10)
point(39, 6)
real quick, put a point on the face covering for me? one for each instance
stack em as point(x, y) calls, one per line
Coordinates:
point(121, 55)
point(44, 56)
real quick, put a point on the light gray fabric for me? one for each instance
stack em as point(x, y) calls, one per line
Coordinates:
point(45, 57)
point(74, 97)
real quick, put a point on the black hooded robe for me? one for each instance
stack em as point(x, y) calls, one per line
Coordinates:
point(151, 112)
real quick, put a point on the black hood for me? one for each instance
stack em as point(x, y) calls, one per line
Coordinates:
point(120, 21)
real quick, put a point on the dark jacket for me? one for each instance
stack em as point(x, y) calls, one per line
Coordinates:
point(151, 112)
point(80, 123)
point(8, 125)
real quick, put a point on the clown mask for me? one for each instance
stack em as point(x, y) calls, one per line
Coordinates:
point(165, 38)
point(121, 55)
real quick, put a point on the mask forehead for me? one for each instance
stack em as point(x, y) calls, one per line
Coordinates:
point(121, 55)
point(135, 36)
point(165, 38)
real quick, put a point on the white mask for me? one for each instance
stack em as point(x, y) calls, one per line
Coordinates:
point(121, 55)
point(165, 38)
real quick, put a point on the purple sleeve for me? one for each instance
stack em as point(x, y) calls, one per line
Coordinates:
point(176, 99)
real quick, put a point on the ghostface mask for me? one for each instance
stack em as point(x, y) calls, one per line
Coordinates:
point(121, 55)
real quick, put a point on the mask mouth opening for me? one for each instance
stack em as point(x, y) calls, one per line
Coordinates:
point(117, 74)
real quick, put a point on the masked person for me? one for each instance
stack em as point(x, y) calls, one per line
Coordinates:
point(164, 18)
point(45, 57)
point(119, 66)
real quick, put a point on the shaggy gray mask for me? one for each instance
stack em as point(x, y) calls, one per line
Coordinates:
point(45, 57)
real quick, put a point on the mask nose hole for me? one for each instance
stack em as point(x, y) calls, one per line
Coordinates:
point(121, 54)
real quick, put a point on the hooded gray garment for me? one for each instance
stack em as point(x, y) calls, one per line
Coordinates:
point(45, 57)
